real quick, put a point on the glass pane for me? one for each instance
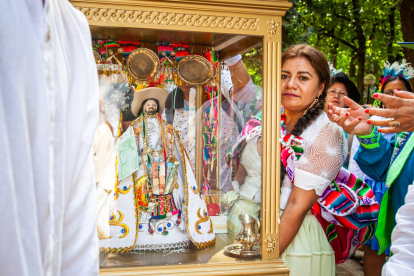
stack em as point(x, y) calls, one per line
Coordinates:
point(168, 153)
point(240, 143)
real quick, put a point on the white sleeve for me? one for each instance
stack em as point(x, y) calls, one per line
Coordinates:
point(353, 165)
point(321, 162)
point(402, 240)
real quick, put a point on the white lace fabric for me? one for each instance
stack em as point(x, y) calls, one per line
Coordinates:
point(325, 149)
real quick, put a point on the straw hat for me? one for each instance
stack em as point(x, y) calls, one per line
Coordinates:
point(147, 93)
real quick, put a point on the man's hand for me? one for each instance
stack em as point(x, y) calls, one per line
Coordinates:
point(403, 101)
point(353, 119)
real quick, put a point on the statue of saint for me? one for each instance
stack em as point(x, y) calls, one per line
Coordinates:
point(158, 205)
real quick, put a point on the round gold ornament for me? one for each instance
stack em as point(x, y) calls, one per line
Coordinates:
point(142, 64)
point(195, 70)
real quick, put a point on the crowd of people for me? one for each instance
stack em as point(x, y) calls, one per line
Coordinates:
point(383, 161)
point(346, 170)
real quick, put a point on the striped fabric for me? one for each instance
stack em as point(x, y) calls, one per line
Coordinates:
point(347, 209)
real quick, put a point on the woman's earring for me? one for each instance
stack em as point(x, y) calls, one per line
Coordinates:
point(312, 104)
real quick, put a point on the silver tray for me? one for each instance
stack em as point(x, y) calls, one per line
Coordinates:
point(236, 250)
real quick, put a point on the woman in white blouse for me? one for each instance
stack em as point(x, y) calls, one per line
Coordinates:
point(303, 243)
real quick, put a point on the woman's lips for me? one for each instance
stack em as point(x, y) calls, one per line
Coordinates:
point(289, 95)
point(335, 102)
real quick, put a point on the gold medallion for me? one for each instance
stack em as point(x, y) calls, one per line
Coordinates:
point(195, 70)
point(142, 64)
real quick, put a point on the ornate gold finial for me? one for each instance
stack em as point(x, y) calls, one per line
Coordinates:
point(271, 245)
point(273, 27)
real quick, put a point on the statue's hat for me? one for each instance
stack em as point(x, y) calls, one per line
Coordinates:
point(151, 92)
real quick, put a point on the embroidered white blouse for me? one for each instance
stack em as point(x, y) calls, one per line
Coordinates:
point(324, 151)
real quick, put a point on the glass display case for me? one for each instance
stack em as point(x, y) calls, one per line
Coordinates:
point(188, 174)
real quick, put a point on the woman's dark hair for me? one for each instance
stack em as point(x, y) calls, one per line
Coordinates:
point(141, 109)
point(399, 78)
point(319, 62)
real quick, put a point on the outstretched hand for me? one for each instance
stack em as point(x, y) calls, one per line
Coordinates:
point(353, 120)
point(403, 113)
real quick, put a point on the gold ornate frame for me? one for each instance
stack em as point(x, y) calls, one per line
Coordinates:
point(240, 25)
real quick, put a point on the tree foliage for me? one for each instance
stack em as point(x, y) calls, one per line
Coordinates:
point(356, 35)
point(253, 60)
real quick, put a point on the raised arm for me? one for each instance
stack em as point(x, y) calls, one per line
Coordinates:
point(374, 155)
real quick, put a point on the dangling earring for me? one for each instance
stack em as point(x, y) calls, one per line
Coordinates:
point(314, 102)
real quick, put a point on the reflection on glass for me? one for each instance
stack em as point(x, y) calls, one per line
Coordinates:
point(174, 170)
point(244, 153)
point(180, 112)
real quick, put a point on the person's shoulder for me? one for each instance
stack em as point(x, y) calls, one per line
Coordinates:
point(326, 125)
point(332, 127)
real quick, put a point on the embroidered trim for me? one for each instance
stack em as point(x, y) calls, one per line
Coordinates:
point(183, 149)
point(118, 222)
point(129, 248)
point(116, 194)
point(400, 139)
point(165, 205)
point(201, 220)
point(142, 198)
point(123, 190)
point(210, 231)
point(399, 162)
point(370, 141)
point(200, 245)
point(101, 234)
point(156, 247)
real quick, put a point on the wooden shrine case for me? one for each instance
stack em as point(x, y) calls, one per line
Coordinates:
point(231, 27)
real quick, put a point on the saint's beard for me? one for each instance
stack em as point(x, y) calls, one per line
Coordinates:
point(151, 111)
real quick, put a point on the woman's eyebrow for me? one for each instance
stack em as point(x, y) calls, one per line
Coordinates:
point(305, 72)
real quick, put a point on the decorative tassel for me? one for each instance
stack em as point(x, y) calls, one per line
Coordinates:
point(178, 221)
point(165, 232)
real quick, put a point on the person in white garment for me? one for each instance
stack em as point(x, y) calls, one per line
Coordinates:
point(402, 247)
point(239, 93)
point(158, 204)
point(180, 112)
point(245, 195)
point(48, 116)
point(103, 143)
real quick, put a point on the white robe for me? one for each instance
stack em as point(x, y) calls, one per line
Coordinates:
point(127, 226)
point(402, 240)
point(48, 116)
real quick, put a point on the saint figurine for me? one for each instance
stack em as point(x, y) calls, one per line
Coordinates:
point(158, 205)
